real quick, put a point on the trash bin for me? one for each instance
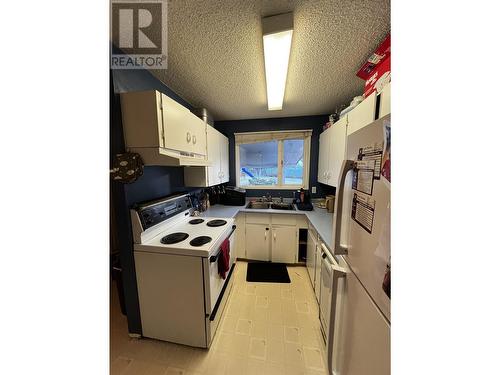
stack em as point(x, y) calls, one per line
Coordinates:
point(116, 274)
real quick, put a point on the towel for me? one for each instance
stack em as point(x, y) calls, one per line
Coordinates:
point(223, 262)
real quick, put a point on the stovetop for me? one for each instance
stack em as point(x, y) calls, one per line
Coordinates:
point(211, 237)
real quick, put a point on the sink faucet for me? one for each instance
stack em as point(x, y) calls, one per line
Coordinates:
point(267, 197)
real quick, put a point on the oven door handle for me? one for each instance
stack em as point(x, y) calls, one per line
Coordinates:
point(214, 258)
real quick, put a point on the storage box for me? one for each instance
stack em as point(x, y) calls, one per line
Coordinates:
point(377, 70)
point(379, 78)
point(382, 53)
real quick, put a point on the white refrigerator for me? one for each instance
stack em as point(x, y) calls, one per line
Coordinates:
point(359, 337)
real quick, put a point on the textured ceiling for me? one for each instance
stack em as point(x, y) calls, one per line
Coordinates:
point(215, 54)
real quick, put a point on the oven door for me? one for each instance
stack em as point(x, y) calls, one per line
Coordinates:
point(217, 287)
point(215, 280)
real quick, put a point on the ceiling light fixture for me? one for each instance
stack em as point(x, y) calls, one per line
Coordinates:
point(277, 33)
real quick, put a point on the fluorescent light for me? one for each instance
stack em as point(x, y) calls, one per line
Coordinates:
point(276, 55)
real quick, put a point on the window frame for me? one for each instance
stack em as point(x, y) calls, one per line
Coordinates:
point(280, 137)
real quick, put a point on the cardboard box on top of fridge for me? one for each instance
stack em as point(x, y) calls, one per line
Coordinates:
point(377, 70)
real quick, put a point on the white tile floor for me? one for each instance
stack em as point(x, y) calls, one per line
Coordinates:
point(267, 328)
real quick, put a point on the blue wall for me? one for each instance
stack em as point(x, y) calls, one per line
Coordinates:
point(283, 123)
point(156, 182)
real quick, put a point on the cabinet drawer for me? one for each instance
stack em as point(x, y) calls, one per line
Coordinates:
point(252, 218)
point(284, 219)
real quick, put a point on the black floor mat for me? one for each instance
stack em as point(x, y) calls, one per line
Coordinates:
point(264, 272)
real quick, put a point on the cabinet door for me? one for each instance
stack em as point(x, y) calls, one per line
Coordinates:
point(324, 149)
point(311, 256)
point(385, 101)
point(198, 134)
point(284, 245)
point(239, 241)
point(362, 115)
point(182, 130)
point(176, 132)
point(337, 150)
point(224, 158)
point(213, 154)
point(257, 241)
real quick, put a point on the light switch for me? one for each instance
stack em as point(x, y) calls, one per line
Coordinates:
point(313, 189)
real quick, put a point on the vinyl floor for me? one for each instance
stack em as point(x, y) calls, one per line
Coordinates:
point(266, 329)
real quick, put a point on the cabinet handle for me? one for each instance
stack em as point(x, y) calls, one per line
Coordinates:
point(188, 137)
point(194, 139)
point(274, 235)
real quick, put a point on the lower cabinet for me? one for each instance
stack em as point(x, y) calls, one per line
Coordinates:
point(284, 244)
point(257, 240)
point(270, 238)
point(239, 241)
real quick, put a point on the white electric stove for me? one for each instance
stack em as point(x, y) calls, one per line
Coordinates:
point(181, 293)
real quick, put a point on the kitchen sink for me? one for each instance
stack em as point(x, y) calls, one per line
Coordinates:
point(282, 206)
point(258, 205)
point(266, 205)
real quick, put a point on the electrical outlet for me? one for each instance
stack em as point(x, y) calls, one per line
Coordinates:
point(313, 189)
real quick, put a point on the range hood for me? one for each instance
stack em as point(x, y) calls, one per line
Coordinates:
point(162, 156)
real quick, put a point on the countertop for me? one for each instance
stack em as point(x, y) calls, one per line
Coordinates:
point(319, 218)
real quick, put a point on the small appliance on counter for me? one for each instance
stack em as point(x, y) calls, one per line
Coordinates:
point(319, 203)
point(234, 196)
point(330, 203)
point(302, 200)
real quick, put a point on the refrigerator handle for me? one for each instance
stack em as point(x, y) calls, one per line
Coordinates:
point(338, 273)
point(347, 165)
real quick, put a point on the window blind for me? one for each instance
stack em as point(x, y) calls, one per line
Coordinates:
point(254, 137)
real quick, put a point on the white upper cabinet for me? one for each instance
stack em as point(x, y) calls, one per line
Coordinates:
point(337, 151)
point(161, 130)
point(331, 152)
point(210, 175)
point(332, 142)
point(217, 172)
point(362, 115)
point(184, 131)
point(385, 101)
point(224, 158)
point(324, 155)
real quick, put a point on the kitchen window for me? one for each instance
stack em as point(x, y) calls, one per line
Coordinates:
point(273, 160)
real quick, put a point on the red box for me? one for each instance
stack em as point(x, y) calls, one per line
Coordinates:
point(376, 59)
point(379, 78)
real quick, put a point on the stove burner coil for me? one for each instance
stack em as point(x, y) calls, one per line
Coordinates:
point(216, 223)
point(174, 238)
point(200, 241)
point(196, 221)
